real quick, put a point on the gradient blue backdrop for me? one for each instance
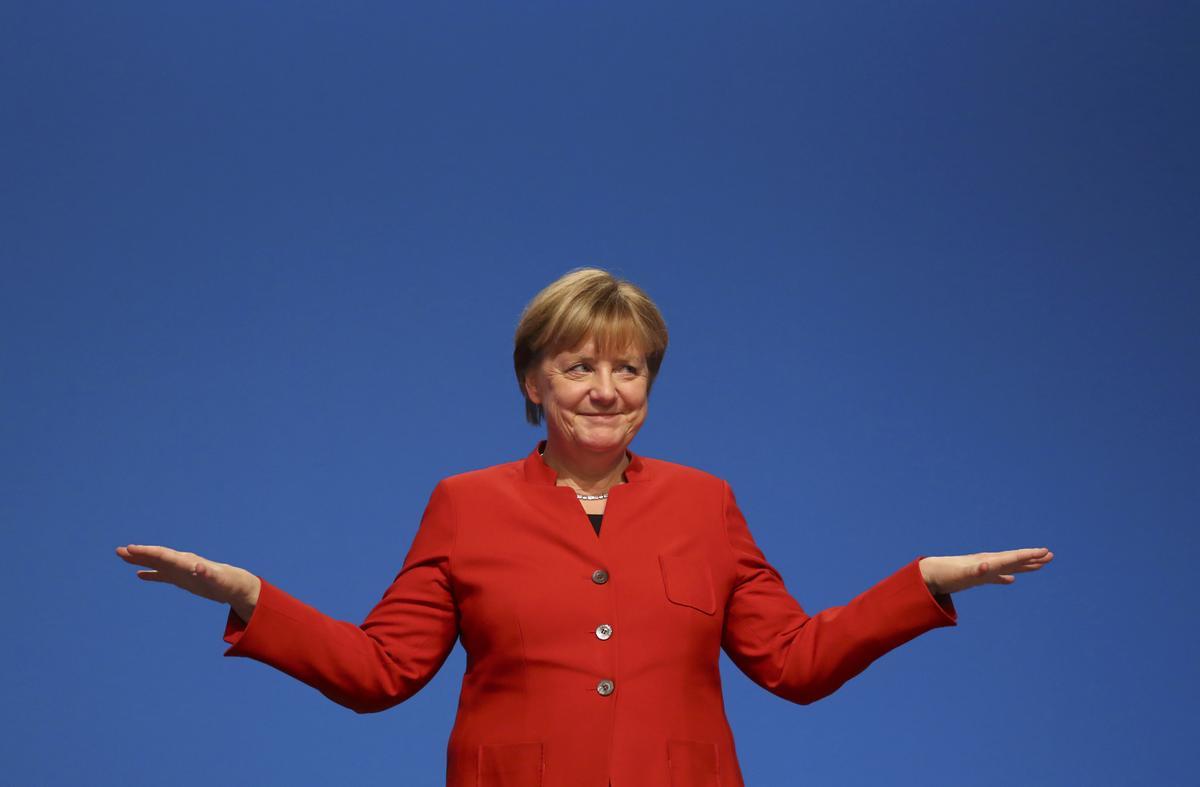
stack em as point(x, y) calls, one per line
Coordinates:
point(929, 269)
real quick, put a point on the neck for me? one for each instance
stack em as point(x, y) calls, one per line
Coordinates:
point(590, 473)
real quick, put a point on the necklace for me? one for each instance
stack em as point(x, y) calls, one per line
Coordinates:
point(577, 495)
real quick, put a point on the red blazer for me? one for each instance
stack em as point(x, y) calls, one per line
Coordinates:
point(589, 659)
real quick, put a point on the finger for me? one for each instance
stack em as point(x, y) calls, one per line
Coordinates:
point(1032, 555)
point(138, 555)
point(162, 558)
point(1020, 569)
point(154, 550)
point(1027, 567)
point(1018, 559)
point(1018, 555)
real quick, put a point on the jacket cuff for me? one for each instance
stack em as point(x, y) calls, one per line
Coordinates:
point(274, 608)
point(234, 628)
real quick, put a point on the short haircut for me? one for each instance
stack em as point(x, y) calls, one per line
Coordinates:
point(587, 303)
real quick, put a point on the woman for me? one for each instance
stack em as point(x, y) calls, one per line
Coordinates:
point(592, 646)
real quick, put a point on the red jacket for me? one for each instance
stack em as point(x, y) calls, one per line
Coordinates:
point(589, 660)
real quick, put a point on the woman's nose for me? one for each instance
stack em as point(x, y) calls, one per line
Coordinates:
point(603, 387)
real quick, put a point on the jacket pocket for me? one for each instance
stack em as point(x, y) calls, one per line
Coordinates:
point(510, 765)
point(693, 764)
point(688, 581)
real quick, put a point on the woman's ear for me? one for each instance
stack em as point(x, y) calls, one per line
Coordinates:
point(531, 389)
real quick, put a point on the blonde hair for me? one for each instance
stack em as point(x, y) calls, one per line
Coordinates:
point(587, 302)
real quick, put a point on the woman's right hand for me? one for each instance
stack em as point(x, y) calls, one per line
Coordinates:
point(220, 582)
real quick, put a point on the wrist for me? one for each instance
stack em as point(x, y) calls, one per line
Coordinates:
point(246, 600)
point(255, 589)
point(927, 574)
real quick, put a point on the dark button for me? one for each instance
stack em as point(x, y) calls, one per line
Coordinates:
point(605, 687)
point(599, 576)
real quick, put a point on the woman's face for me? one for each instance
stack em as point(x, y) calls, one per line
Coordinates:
point(593, 403)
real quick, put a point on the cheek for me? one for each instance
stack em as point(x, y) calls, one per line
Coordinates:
point(562, 398)
point(638, 403)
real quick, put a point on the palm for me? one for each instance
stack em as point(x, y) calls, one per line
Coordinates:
point(219, 582)
point(959, 572)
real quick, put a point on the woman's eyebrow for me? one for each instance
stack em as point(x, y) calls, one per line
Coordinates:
point(619, 359)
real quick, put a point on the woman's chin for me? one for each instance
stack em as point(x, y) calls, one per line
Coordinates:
point(599, 444)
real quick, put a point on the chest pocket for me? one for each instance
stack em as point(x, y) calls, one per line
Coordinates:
point(688, 582)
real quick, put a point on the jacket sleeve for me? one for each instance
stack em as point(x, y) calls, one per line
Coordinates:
point(803, 658)
point(396, 650)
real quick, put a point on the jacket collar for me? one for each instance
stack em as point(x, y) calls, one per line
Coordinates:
point(538, 472)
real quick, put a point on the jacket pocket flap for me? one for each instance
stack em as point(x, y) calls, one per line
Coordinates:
point(688, 582)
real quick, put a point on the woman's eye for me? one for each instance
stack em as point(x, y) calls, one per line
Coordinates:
point(626, 368)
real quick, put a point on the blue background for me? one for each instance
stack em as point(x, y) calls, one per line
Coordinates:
point(930, 271)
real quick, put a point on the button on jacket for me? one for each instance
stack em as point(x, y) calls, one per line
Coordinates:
point(589, 659)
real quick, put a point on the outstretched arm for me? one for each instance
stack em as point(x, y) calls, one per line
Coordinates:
point(803, 657)
point(367, 667)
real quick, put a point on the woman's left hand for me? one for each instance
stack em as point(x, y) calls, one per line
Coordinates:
point(959, 572)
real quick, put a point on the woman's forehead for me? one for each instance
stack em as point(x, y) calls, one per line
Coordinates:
point(589, 347)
